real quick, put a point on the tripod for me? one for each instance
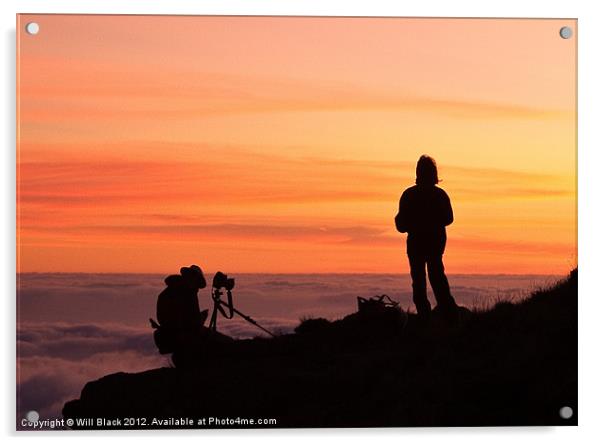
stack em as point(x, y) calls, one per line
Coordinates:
point(221, 307)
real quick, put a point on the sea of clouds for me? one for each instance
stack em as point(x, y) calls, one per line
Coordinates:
point(73, 328)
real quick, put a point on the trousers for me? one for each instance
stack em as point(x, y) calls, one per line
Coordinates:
point(425, 257)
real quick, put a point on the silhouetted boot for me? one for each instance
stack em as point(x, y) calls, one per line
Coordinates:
point(423, 313)
point(448, 314)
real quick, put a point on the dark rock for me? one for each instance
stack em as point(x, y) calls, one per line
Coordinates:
point(515, 364)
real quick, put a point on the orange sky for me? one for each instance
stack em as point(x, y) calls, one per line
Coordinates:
point(262, 144)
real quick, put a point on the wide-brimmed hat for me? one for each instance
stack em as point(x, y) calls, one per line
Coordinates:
point(193, 271)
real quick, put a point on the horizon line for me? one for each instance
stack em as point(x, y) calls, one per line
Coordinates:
point(288, 273)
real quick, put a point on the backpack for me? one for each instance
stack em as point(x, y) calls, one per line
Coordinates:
point(377, 304)
point(164, 338)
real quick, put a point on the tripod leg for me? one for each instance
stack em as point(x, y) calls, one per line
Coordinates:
point(216, 297)
point(213, 322)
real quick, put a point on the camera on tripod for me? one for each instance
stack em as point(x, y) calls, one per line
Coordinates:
point(221, 280)
point(226, 308)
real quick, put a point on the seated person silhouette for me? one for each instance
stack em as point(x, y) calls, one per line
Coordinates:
point(424, 212)
point(180, 328)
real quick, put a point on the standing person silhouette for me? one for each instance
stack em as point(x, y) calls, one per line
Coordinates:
point(424, 212)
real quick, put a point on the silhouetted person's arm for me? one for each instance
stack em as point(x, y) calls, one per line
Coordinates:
point(191, 315)
point(447, 213)
point(401, 219)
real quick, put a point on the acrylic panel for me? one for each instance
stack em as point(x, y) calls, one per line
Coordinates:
point(286, 222)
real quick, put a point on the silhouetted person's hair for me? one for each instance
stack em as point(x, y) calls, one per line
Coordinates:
point(426, 171)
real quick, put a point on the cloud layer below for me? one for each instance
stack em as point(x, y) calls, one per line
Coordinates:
point(74, 328)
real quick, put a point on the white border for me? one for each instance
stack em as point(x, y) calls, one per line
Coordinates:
point(590, 186)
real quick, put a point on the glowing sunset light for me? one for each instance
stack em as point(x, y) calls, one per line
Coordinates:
point(262, 144)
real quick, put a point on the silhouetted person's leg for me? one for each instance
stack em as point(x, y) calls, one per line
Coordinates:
point(418, 273)
point(439, 283)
